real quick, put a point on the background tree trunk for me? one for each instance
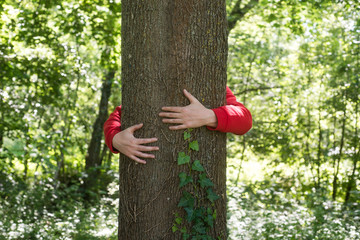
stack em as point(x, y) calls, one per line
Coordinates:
point(168, 46)
point(93, 158)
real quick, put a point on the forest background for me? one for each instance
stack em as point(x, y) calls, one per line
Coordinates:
point(295, 64)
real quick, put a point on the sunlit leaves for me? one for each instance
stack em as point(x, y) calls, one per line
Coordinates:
point(52, 66)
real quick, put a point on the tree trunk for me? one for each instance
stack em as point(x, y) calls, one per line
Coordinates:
point(320, 138)
point(355, 157)
point(337, 164)
point(168, 46)
point(2, 124)
point(93, 158)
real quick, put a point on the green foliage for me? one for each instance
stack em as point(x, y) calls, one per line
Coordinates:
point(205, 181)
point(187, 200)
point(43, 212)
point(269, 210)
point(194, 145)
point(295, 65)
point(187, 135)
point(297, 73)
point(196, 166)
point(183, 158)
point(184, 179)
point(197, 206)
point(53, 57)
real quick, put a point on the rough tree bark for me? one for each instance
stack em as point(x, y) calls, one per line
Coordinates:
point(168, 46)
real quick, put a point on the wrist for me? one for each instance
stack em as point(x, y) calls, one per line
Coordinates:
point(116, 142)
point(211, 119)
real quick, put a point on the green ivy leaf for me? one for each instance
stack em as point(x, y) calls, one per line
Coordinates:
point(197, 166)
point(194, 145)
point(174, 228)
point(190, 214)
point(187, 135)
point(199, 212)
point(183, 230)
point(183, 158)
point(211, 195)
point(209, 220)
point(187, 200)
point(205, 181)
point(178, 220)
point(184, 179)
point(200, 228)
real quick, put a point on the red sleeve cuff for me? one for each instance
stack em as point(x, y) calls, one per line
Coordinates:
point(222, 120)
point(109, 142)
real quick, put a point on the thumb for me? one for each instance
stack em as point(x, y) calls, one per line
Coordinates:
point(135, 127)
point(190, 97)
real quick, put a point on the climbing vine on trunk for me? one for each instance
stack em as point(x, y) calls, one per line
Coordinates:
point(197, 200)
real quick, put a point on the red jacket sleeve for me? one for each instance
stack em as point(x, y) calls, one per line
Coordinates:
point(112, 126)
point(234, 117)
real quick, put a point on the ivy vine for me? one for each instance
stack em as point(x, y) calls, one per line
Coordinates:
point(198, 202)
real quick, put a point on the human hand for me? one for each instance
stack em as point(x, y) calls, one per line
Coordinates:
point(126, 143)
point(191, 116)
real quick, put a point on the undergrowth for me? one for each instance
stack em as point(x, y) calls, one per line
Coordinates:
point(258, 210)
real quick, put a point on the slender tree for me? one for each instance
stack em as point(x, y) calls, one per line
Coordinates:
point(94, 158)
point(169, 46)
point(337, 162)
point(105, 34)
